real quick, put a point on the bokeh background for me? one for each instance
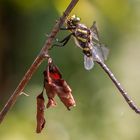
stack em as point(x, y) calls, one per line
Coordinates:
point(101, 113)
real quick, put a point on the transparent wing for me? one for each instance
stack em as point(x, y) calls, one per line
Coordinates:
point(88, 62)
point(94, 30)
point(99, 52)
point(105, 52)
point(98, 48)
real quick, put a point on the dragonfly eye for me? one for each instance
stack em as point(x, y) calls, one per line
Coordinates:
point(75, 19)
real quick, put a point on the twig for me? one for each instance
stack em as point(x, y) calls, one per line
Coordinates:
point(23, 93)
point(38, 60)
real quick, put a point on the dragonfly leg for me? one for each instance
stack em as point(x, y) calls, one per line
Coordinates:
point(63, 42)
point(65, 28)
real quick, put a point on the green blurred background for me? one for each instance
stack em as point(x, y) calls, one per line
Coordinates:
point(101, 113)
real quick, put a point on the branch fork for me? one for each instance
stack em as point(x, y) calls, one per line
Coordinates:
point(43, 55)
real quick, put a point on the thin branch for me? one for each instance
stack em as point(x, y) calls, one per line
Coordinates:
point(38, 60)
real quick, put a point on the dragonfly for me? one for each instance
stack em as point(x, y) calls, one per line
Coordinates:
point(87, 39)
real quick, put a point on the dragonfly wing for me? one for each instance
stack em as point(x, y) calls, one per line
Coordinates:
point(88, 62)
point(99, 53)
point(99, 49)
point(105, 52)
point(94, 30)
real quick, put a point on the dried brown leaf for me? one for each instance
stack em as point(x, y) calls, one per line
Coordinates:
point(40, 113)
point(54, 84)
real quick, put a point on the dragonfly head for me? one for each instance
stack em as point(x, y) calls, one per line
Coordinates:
point(75, 19)
point(72, 21)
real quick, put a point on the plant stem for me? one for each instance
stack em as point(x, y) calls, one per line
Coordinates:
point(38, 60)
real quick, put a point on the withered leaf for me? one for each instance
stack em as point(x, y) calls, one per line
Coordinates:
point(64, 93)
point(54, 84)
point(50, 90)
point(40, 113)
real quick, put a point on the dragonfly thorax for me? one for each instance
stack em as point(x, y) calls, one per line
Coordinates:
point(81, 33)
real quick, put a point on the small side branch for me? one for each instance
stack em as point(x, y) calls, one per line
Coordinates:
point(38, 60)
